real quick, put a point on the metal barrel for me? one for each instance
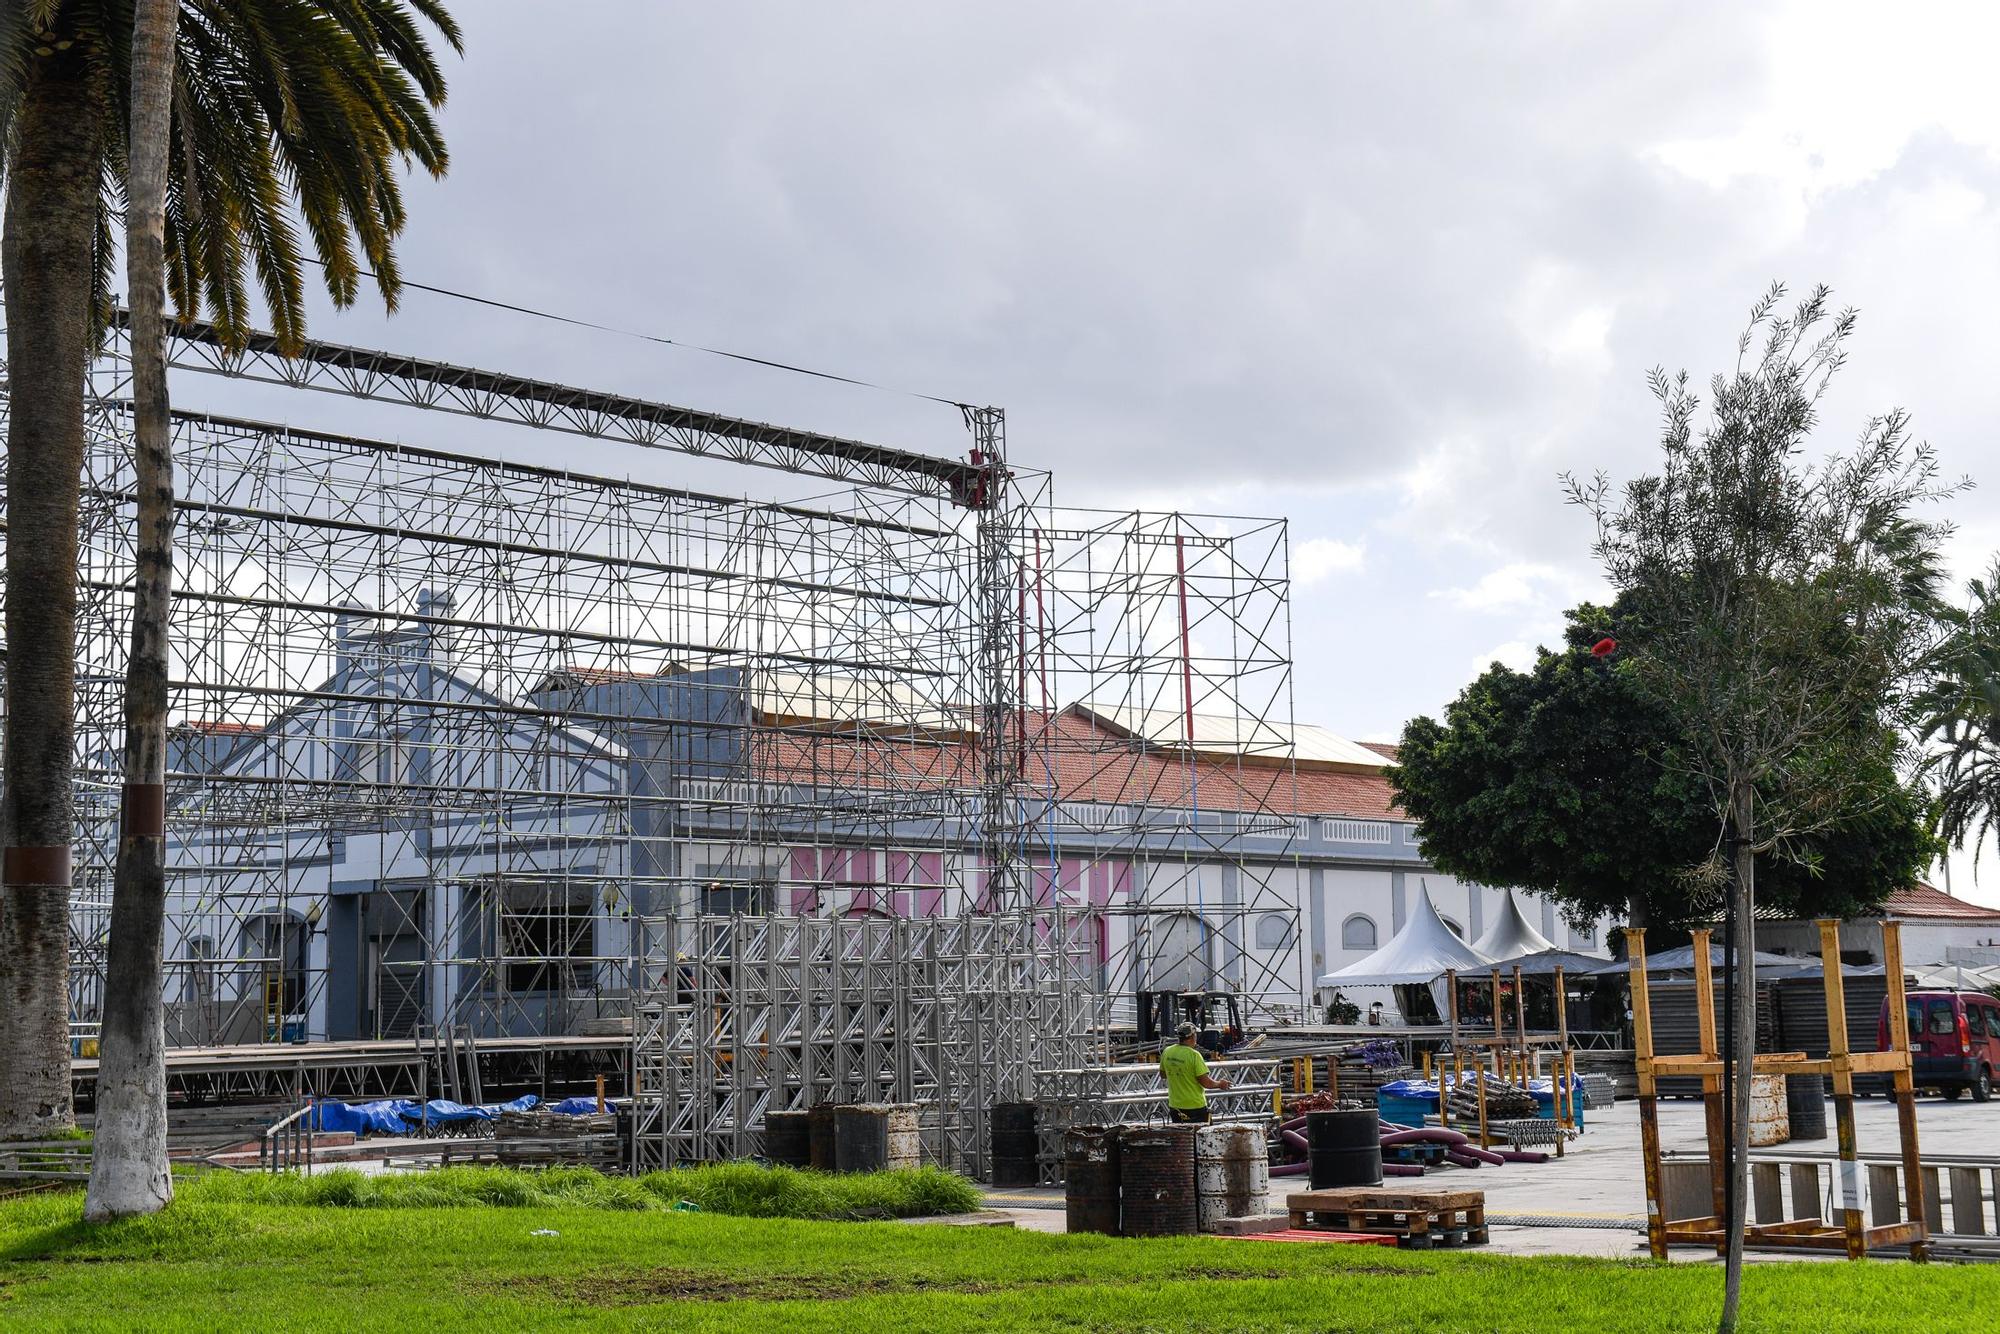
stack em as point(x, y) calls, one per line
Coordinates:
point(1090, 1179)
point(1014, 1144)
point(1805, 1106)
point(1770, 1123)
point(1344, 1148)
point(1232, 1174)
point(820, 1136)
point(905, 1137)
point(1156, 1181)
point(1013, 1118)
point(860, 1137)
point(788, 1138)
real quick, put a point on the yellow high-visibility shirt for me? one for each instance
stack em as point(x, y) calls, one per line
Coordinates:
point(1182, 1067)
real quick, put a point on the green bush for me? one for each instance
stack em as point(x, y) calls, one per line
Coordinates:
point(726, 1188)
point(787, 1192)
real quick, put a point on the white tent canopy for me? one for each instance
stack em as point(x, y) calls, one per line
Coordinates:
point(1421, 952)
point(1511, 934)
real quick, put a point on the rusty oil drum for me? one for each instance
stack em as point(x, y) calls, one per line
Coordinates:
point(1090, 1179)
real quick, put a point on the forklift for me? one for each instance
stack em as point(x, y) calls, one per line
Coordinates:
point(1216, 1015)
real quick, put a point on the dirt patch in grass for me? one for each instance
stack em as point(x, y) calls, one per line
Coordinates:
point(644, 1287)
point(709, 1285)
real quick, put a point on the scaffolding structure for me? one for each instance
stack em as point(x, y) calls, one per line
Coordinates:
point(471, 746)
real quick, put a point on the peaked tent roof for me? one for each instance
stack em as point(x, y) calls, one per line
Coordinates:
point(1543, 963)
point(1421, 952)
point(1681, 960)
point(1511, 934)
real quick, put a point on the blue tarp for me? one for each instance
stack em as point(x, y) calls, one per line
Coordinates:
point(364, 1118)
point(577, 1107)
point(445, 1111)
point(1426, 1090)
point(402, 1116)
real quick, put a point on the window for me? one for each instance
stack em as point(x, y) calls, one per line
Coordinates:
point(1584, 936)
point(1274, 931)
point(1456, 929)
point(1357, 933)
point(1943, 1018)
point(546, 935)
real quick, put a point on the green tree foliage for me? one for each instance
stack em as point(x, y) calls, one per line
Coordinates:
point(1566, 779)
point(1959, 709)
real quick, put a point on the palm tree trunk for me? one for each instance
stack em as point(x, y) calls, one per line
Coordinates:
point(1742, 1047)
point(128, 1162)
point(51, 217)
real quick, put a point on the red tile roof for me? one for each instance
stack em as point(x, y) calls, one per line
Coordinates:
point(1928, 902)
point(1388, 750)
point(1086, 763)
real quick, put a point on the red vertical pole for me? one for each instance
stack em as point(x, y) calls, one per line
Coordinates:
point(1187, 656)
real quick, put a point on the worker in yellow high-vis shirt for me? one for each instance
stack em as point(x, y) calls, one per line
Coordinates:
point(1188, 1080)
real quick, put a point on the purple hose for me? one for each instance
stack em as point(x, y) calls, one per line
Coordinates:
point(1460, 1158)
point(1291, 1170)
point(1296, 1140)
point(1523, 1156)
point(1483, 1155)
point(1428, 1135)
point(1293, 1124)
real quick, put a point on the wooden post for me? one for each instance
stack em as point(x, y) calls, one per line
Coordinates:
point(1484, 1141)
point(1451, 1010)
point(1649, 1103)
point(1847, 1172)
point(1565, 1099)
point(1499, 1012)
point(600, 1095)
point(1521, 1023)
point(1711, 1083)
point(1903, 1087)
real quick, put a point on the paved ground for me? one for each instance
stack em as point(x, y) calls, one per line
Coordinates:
point(1599, 1178)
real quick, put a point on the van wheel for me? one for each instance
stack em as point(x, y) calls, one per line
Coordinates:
point(1952, 1092)
point(1982, 1087)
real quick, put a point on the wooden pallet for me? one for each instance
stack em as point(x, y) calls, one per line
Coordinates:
point(1417, 1219)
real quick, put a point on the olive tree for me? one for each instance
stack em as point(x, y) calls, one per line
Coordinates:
point(1789, 598)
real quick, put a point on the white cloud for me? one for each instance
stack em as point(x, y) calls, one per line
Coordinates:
point(1516, 653)
point(1521, 586)
point(1318, 557)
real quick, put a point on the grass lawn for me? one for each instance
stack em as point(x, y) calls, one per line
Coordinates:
point(221, 1259)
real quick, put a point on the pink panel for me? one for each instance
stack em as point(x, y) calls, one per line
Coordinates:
point(804, 871)
point(1071, 881)
point(930, 873)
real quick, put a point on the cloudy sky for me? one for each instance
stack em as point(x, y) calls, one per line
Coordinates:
point(1383, 270)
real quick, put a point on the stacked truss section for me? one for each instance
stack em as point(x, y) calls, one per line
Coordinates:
point(782, 1013)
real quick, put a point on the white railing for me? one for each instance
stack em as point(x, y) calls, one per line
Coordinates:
point(1357, 831)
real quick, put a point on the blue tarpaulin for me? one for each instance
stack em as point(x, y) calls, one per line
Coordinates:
point(403, 1116)
point(364, 1118)
point(577, 1107)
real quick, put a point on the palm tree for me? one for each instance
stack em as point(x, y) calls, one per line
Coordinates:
point(1960, 718)
point(128, 1160)
point(283, 112)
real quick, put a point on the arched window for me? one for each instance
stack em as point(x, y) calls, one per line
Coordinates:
point(1456, 929)
point(1274, 931)
point(1357, 933)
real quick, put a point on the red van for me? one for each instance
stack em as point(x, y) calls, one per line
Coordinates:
point(1954, 1041)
